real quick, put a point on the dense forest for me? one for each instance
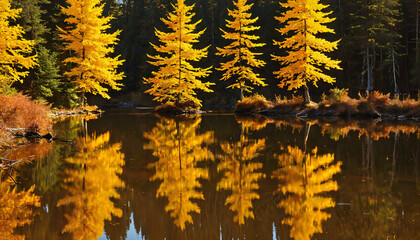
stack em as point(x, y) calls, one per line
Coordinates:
point(378, 46)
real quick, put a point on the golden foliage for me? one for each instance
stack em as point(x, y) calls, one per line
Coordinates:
point(177, 79)
point(15, 209)
point(179, 148)
point(240, 175)
point(305, 177)
point(91, 47)
point(91, 184)
point(305, 52)
point(14, 49)
point(241, 67)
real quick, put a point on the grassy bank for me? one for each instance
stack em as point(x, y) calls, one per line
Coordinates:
point(336, 104)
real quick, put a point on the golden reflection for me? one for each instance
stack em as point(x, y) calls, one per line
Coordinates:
point(254, 123)
point(305, 177)
point(90, 184)
point(241, 175)
point(16, 209)
point(178, 148)
point(340, 128)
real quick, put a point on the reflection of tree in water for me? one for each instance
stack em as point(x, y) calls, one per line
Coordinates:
point(240, 175)
point(373, 212)
point(179, 148)
point(305, 177)
point(90, 184)
point(16, 209)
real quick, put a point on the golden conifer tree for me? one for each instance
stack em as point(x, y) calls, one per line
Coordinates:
point(305, 176)
point(177, 79)
point(91, 184)
point(241, 175)
point(241, 67)
point(179, 148)
point(305, 57)
point(92, 67)
point(14, 49)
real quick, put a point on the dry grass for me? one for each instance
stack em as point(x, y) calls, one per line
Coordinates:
point(335, 103)
point(286, 105)
point(253, 103)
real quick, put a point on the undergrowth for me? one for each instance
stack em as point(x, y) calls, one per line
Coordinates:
point(19, 111)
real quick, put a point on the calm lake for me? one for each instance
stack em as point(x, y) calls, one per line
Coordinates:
point(134, 175)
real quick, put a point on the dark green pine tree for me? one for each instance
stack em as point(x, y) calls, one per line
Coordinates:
point(43, 81)
point(374, 32)
point(46, 81)
point(415, 70)
point(390, 41)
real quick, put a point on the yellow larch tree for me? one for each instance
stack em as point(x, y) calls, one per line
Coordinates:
point(15, 51)
point(241, 175)
point(176, 80)
point(305, 58)
point(92, 66)
point(243, 61)
point(90, 186)
point(178, 149)
point(304, 177)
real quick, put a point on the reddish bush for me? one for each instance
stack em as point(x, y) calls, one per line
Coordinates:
point(252, 104)
point(379, 100)
point(288, 105)
point(170, 108)
point(19, 111)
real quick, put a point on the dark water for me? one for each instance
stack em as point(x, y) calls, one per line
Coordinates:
point(132, 175)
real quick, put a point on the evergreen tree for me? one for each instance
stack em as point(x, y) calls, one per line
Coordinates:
point(92, 66)
point(374, 29)
point(15, 51)
point(46, 81)
point(241, 66)
point(42, 81)
point(177, 79)
point(305, 51)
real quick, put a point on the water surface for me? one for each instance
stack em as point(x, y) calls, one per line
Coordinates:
point(133, 175)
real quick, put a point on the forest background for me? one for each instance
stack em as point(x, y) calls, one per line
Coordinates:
point(388, 28)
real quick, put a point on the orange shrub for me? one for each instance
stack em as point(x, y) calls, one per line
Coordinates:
point(252, 104)
point(289, 105)
point(379, 100)
point(19, 111)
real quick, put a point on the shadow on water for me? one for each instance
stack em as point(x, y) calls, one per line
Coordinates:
point(131, 175)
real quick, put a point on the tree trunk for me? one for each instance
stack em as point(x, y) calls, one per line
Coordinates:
point(242, 94)
point(83, 99)
point(369, 86)
point(416, 77)
point(417, 33)
point(307, 96)
point(396, 91)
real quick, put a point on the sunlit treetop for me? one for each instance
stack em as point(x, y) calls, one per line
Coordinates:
point(243, 61)
point(305, 58)
point(176, 79)
point(93, 68)
point(15, 51)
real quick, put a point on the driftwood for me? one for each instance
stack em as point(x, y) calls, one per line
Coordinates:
point(6, 164)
